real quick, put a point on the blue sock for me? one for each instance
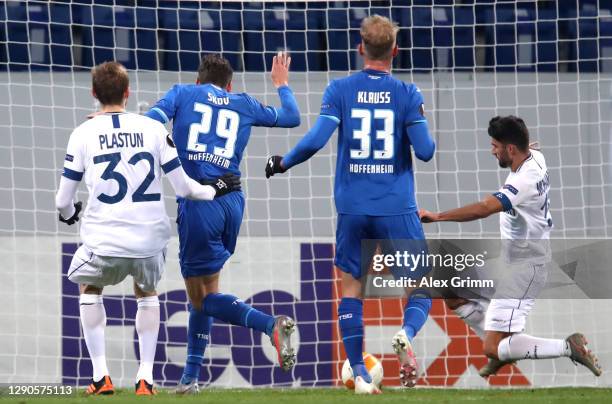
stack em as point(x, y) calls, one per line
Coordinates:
point(232, 310)
point(416, 312)
point(350, 320)
point(198, 335)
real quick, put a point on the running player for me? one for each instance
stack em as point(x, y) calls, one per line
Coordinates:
point(211, 128)
point(125, 228)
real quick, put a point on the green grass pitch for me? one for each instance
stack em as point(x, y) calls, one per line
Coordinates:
point(324, 396)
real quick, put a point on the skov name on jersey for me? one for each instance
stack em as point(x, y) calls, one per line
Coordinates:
point(218, 100)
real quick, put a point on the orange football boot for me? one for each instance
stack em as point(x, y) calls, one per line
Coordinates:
point(144, 389)
point(103, 386)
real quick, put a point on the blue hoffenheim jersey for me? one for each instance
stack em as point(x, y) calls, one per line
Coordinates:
point(374, 164)
point(211, 127)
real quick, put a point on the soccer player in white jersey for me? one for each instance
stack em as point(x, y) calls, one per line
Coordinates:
point(524, 215)
point(125, 228)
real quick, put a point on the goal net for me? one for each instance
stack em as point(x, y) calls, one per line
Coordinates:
point(548, 62)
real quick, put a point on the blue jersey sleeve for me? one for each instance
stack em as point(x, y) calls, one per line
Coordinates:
point(417, 128)
point(416, 106)
point(330, 105)
point(287, 116)
point(165, 108)
point(422, 142)
point(312, 142)
point(263, 115)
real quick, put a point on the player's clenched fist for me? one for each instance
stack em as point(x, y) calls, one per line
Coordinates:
point(274, 166)
point(226, 183)
point(75, 217)
point(427, 216)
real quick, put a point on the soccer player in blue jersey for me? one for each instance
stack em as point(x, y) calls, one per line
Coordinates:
point(211, 128)
point(379, 118)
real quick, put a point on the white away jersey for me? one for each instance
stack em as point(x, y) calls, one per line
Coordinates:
point(121, 156)
point(524, 197)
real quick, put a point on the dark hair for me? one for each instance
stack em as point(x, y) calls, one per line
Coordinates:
point(215, 69)
point(109, 82)
point(510, 130)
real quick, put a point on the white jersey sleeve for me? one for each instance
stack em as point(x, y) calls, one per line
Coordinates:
point(524, 197)
point(515, 191)
point(168, 156)
point(74, 161)
point(71, 175)
point(184, 187)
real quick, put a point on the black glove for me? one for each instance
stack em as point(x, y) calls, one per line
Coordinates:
point(273, 166)
point(226, 183)
point(75, 217)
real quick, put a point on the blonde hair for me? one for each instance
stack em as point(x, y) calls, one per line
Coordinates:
point(378, 35)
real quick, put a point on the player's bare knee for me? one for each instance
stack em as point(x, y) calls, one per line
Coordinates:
point(491, 342)
point(90, 289)
point(196, 291)
point(455, 303)
point(490, 349)
point(211, 284)
point(351, 287)
point(139, 293)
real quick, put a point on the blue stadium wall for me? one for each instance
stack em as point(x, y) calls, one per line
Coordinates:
point(485, 35)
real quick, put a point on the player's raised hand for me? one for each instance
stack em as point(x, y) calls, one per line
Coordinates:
point(75, 217)
point(427, 216)
point(280, 69)
point(226, 183)
point(274, 165)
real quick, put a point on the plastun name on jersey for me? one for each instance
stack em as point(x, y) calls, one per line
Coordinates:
point(373, 97)
point(121, 139)
point(218, 100)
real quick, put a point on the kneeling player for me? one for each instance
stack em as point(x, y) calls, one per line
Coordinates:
point(125, 228)
point(524, 215)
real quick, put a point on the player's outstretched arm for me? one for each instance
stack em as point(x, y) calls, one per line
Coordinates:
point(288, 115)
point(312, 142)
point(185, 187)
point(64, 201)
point(479, 210)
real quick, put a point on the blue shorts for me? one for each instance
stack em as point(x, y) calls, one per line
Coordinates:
point(352, 229)
point(208, 231)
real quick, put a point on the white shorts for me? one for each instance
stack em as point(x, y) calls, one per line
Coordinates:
point(514, 298)
point(90, 269)
point(508, 315)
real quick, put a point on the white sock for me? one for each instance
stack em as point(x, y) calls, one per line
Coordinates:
point(147, 327)
point(473, 314)
point(523, 346)
point(93, 321)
